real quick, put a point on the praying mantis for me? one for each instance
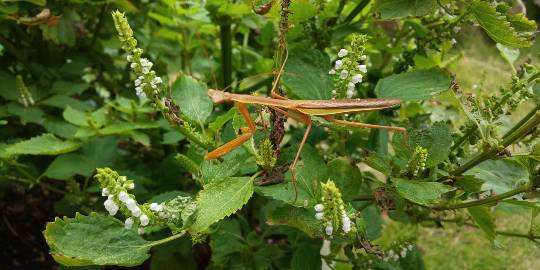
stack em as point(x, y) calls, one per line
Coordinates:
point(299, 110)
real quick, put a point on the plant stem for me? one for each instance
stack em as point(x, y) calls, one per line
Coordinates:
point(356, 11)
point(364, 198)
point(165, 240)
point(191, 137)
point(522, 121)
point(529, 123)
point(489, 200)
point(226, 53)
point(505, 233)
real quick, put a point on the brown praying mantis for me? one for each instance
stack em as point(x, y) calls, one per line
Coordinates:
point(299, 110)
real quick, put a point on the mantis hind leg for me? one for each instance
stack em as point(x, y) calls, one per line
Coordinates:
point(357, 124)
point(247, 133)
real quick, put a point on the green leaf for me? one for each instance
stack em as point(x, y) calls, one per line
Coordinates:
point(31, 114)
point(172, 137)
point(61, 101)
point(226, 240)
point(482, 218)
point(219, 199)
point(497, 26)
point(306, 75)
point(212, 169)
point(413, 86)
point(500, 175)
point(347, 178)
point(300, 218)
point(94, 240)
point(510, 55)
point(69, 88)
point(423, 193)
point(46, 144)
point(192, 97)
point(125, 127)
point(437, 139)
point(75, 117)
point(308, 175)
point(394, 9)
point(306, 256)
point(222, 120)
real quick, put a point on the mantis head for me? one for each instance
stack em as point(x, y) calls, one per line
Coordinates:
point(218, 96)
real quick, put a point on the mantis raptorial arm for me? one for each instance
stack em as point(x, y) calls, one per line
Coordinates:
point(228, 147)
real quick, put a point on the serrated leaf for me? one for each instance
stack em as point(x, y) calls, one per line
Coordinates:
point(306, 75)
point(220, 199)
point(94, 240)
point(423, 193)
point(496, 25)
point(46, 144)
point(482, 218)
point(192, 97)
point(394, 9)
point(413, 86)
point(212, 170)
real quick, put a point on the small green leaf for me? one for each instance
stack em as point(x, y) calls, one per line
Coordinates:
point(212, 170)
point(226, 240)
point(423, 193)
point(219, 199)
point(394, 9)
point(413, 86)
point(65, 166)
point(497, 26)
point(125, 127)
point(482, 218)
point(75, 117)
point(222, 120)
point(94, 240)
point(192, 97)
point(437, 139)
point(306, 75)
point(46, 144)
point(62, 101)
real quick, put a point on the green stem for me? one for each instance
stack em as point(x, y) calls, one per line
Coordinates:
point(356, 11)
point(529, 123)
point(41, 184)
point(505, 233)
point(226, 53)
point(522, 122)
point(489, 200)
point(191, 137)
point(165, 240)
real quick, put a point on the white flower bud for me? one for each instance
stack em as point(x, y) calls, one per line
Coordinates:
point(343, 75)
point(129, 186)
point(123, 196)
point(319, 216)
point(403, 253)
point(356, 78)
point(105, 192)
point(396, 257)
point(342, 53)
point(332, 72)
point(350, 93)
point(133, 65)
point(128, 223)
point(319, 207)
point(339, 64)
point(350, 86)
point(129, 58)
point(363, 57)
point(334, 92)
point(145, 70)
point(140, 231)
point(136, 211)
point(144, 220)
point(111, 206)
point(329, 229)
point(137, 82)
point(155, 207)
point(362, 68)
point(157, 80)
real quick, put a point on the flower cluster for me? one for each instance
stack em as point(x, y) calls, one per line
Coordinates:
point(265, 155)
point(417, 162)
point(116, 189)
point(25, 97)
point(146, 83)
point(332, 210)
point(395, 255)
point(349, 68)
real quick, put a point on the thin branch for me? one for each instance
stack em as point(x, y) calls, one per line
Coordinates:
point(489, 200)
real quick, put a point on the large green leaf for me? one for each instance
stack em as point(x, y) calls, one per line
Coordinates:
point(211, 169)
point(75, 117)
point(482, 218)
point(124, 127)
point(497, 26)
point(219, 199)
point(94, 240)
point(192, 97)
point(393, 9)
point(437, 139)
point(306, 75)
point(46, 144)
point(423, 193)
point(500, 175)
point(300, 218)
point(413, 86)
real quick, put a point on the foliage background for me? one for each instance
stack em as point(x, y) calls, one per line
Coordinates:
point(80, 81)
